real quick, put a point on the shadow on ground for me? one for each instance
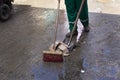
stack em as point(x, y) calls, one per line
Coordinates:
point(31, 30)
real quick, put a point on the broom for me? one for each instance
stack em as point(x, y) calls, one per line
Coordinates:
point(71, 47)
point(54, 55)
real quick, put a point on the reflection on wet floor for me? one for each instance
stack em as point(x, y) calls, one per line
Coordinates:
point(48, 71)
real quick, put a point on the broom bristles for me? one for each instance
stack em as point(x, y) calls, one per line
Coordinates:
point(50, 56)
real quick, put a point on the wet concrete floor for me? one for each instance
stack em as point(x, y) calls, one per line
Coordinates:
point(30, 30)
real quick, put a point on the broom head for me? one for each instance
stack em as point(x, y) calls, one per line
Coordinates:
point(52, 56)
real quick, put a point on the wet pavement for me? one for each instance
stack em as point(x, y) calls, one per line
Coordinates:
point(30, 30)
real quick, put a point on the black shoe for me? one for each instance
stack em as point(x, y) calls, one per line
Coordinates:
point(87, 29)
point(69, 34)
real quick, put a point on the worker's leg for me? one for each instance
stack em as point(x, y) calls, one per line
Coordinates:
point(71, 12)
point(84, 14)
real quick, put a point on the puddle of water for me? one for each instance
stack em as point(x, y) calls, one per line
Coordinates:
point(85, 64)
point(96, 69)
point(48, 71)
point(106, 78)
point(48, 16)
point(106, 51)
point(112, 70)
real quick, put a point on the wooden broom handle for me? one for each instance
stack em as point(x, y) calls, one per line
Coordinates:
point(56, 24)
point(78, 14)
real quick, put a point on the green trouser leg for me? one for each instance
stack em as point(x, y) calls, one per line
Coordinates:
point(72, 7)
point(71, 12)
point(84, 14)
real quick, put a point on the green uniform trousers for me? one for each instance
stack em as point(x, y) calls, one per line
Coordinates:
point(72, 7)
